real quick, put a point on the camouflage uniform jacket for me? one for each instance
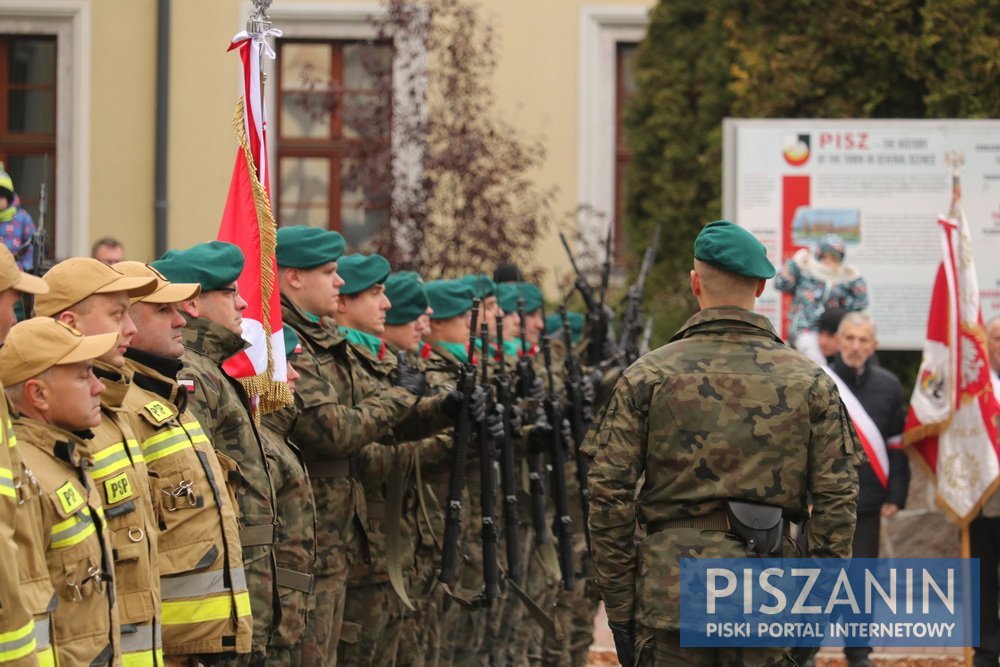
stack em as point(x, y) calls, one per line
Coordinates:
point(295, 549)
point(25, 588)
point(339, 413)
point(120, 474)
point(201, 564)
point(84, 626)
point(220, 405)
point(724, 411)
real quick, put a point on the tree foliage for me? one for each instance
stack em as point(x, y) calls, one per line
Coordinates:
point(701, 62)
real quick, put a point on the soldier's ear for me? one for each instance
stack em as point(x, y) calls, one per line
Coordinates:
point(760, 286)
point(695, 283)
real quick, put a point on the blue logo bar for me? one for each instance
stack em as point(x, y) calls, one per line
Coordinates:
point(829, 602)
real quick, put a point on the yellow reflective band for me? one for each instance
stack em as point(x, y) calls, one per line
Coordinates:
point(7, 483)
point(219, 608)
point(110, 460)
point(195, 431)
point(69, 498)
point(118, 488)
point(18, 643)
point(72, 531)
point(135, 451)
point(165, 444)
point(11, 438)
point(143, 659)
point(46, 658)
point(158, 411)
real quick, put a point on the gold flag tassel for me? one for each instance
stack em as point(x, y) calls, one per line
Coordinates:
point(271, 394)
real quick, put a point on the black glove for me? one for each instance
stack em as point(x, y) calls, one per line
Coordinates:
point(567, 436)
point(587, 391)
point(624, 641)
point(536, 391)
point(540, 435)
point(452, 404)
point(494, 421)
point(410, 378)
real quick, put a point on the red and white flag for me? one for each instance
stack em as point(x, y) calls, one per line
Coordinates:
point(951, 424)
point(248, 222)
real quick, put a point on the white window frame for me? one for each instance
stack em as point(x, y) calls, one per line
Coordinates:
point(69, 20)
point(602, 28)
point(347, 21)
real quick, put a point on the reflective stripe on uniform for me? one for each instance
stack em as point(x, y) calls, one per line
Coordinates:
point(135, 451)
point(165, 444)
point(73, 530)
point(181, 612)
point(7, 483)
point(110, 460)
point(18, 643)
point(195, 431)
point(143, 647)
point(203, 583)
point(46, 658)
point(42, 640)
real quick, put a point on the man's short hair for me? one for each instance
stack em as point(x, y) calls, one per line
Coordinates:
point(105, 242)
point(856, 320)
point(829, 321)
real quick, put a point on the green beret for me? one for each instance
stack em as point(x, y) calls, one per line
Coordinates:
point(304, 247)
point(362, 271)
point(509, 293)
point(212, 265)
point(291, 341)
point(553, 323)
point(480, 284)
point(729, 247)
point(405, 291)
point(449, 298)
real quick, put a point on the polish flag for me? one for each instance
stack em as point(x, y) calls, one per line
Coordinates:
point(248, 222)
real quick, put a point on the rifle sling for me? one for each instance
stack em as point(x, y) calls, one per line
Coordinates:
point(393, 537)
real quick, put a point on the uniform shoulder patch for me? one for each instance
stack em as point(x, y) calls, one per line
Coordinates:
point(117, 488)
point(70, 499)
point(158, 411)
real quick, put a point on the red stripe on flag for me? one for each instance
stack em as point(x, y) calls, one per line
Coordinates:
point(795, 192)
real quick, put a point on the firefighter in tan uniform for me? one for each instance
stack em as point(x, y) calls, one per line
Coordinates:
point(25, 590)
point(46, 367)
point(94, 298)
point(206, 607)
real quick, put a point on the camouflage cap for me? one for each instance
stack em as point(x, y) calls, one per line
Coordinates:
point(729, 247)
point(212, 265)
point(292, 344)
point(480, 284)
point(166, 291)
point(449, 298)
point(553, 323)
point(304, 247)
point(36, 345)
point(73, 280)
point(405, 291)
point(509, 293)
point(360, 272)
point(12, 277)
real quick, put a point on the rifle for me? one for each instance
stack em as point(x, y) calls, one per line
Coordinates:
point(39, 241)
point(456, 483)
point(597, 317)
point(508, 468)
point(632, 326)
point(577, 424)
point(488, 483)
point(563, 523)
point(536, 459)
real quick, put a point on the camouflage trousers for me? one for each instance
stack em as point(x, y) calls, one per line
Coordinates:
point(574, 614)
point(326, 615)
point(540, 583)
point(661, 648)
point(373, 619)
point(420, 640)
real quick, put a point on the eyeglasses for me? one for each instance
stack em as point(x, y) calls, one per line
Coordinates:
point(232, 291)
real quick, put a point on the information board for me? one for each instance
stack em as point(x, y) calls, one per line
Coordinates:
point(879, 184)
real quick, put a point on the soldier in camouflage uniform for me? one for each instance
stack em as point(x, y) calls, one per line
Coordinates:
point(94, 298)
point(687, 418)
point(339, 414)
point(220, 403)
point(206, 607)
point(295, 550)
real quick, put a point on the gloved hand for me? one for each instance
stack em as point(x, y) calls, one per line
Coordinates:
point(624, 636)
point(536, 391)
point(451, 405)
point(540, 435)
point(494, 421)
point(410, 378)
point(567, 436)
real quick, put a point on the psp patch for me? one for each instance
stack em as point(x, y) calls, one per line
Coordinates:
point(69, 498)
point(117, 488)
point(158, 411)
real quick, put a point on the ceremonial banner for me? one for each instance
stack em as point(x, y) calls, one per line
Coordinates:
point(951, 422)
point(248, 222)
point(871, 438)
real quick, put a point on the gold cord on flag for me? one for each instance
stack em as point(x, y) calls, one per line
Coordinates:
point(271, 394)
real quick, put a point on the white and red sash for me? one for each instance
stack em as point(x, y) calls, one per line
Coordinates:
point(871, 438)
